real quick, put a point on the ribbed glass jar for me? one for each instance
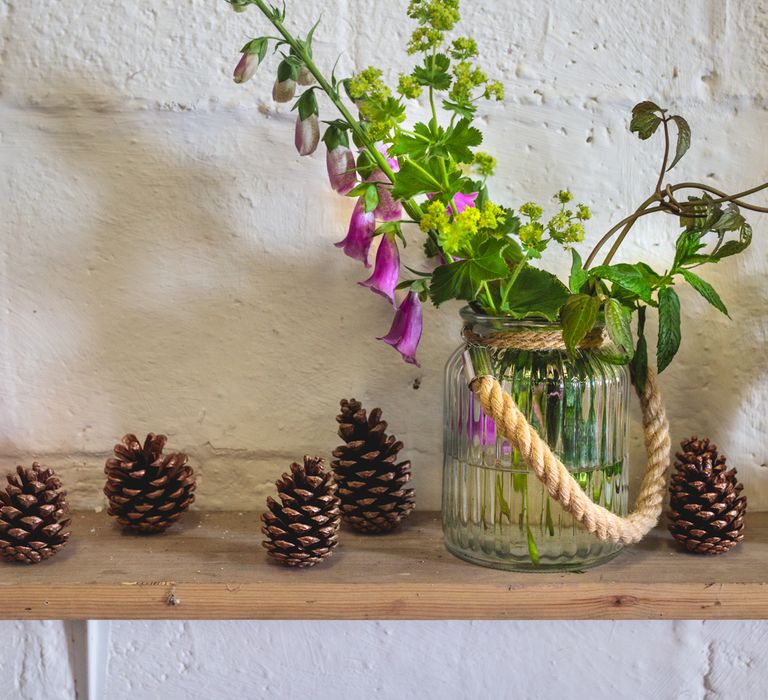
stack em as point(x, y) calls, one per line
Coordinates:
point(495, 512)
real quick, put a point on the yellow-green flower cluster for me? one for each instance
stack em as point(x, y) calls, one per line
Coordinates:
point(565, 226)
point(435, 17)
point(456, 234)
point(485, 163)
point(463, 48)
point(409, 87)
point(466, 78)
point(367, 84)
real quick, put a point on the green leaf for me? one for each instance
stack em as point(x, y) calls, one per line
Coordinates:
point(579, 315)
point(687, 249)
point(535, 293)
point(460, 139)
point(683, 140)
point(511, 223)
point(579, 275)
point(287, 70)
point(413, 180)
point(734, 247)
point(466, 110)
point(463, 279)
point(415, 147)
point(307, 104)
point(639, 366)
point(645, 121)
point(513, 253)
point(630, 277)
point(371, 199)
point(669, 327)
point(729, 220)
point(434, 72)
point(258, 46)
point(705, 289)
point(618, 322)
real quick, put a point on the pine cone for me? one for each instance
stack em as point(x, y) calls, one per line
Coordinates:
point(371, 485)
point(148, 492)
point(33, 515)
point(706, 511)
point(303, 529)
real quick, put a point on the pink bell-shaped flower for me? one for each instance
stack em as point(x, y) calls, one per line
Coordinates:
point(405, 333)
point(387, 270)
point(360, 234)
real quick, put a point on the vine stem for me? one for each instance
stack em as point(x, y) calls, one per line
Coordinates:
point(629, 221)
point(735, 198)
point(413, 209)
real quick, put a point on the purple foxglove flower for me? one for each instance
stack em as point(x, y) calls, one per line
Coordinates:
point(387, 271)
point(405, 333)
point(284, 90)
point(246, 67)
point(341, 168)
point(305, 77)
point(464, 201)
point(360, 234)
point(307, 134)
point(392, 162)
point(388, 209)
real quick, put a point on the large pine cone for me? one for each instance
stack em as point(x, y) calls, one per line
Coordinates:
point(706, 511)
point(148, 492)
point(33, 515)
point(303, 529)
point(371, 484)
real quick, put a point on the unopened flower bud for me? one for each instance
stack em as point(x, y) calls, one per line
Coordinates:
point(305, 77)
point(284, 88)
point(307, 134)
point(246, 67)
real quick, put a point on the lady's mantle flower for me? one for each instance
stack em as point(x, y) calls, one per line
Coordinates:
point(405, 333)
point(360, 234)
point(387, 271)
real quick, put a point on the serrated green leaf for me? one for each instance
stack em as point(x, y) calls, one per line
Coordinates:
point(579, 275)
point(413, 180)
point(683, 140)
point(434, 73)
point(618, 323)
point(630, 277)
point(705, 289)
point(669, 327)
point(458, 141)
point(645, 121)
point(733, 247)
point(729, 220)
point(465, 110)
point(415, 147)
point(579, 315)
point(536, 293)
point(463, 279)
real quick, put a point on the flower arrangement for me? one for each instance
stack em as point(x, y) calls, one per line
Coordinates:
point(431, 175)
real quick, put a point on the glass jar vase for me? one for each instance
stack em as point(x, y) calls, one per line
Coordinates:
point(495, 511)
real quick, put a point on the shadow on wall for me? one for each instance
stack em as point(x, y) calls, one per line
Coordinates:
point(205, 297)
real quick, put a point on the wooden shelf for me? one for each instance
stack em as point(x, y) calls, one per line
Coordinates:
point(212, 566)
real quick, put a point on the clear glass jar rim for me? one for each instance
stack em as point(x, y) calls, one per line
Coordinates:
point(469, 315)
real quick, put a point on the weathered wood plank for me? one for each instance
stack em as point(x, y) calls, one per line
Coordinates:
point(212, 567)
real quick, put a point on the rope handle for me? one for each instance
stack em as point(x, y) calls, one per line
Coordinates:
point(537, 456)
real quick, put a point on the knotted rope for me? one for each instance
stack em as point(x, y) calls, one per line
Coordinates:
point(539, 458)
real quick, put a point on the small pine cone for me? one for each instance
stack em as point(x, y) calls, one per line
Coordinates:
point(706, 511)
point(33, 515)
point(371, 484)
point(148, 492)
point(303, 529)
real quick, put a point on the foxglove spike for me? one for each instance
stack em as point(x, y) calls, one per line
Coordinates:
point(341, 169)
point(405, 333)
point(307, 135)
point(387, 271)
point(360, 234)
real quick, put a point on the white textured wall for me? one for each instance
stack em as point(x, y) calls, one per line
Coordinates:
point(166, 264)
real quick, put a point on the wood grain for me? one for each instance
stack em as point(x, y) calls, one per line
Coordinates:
point(212, 566)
